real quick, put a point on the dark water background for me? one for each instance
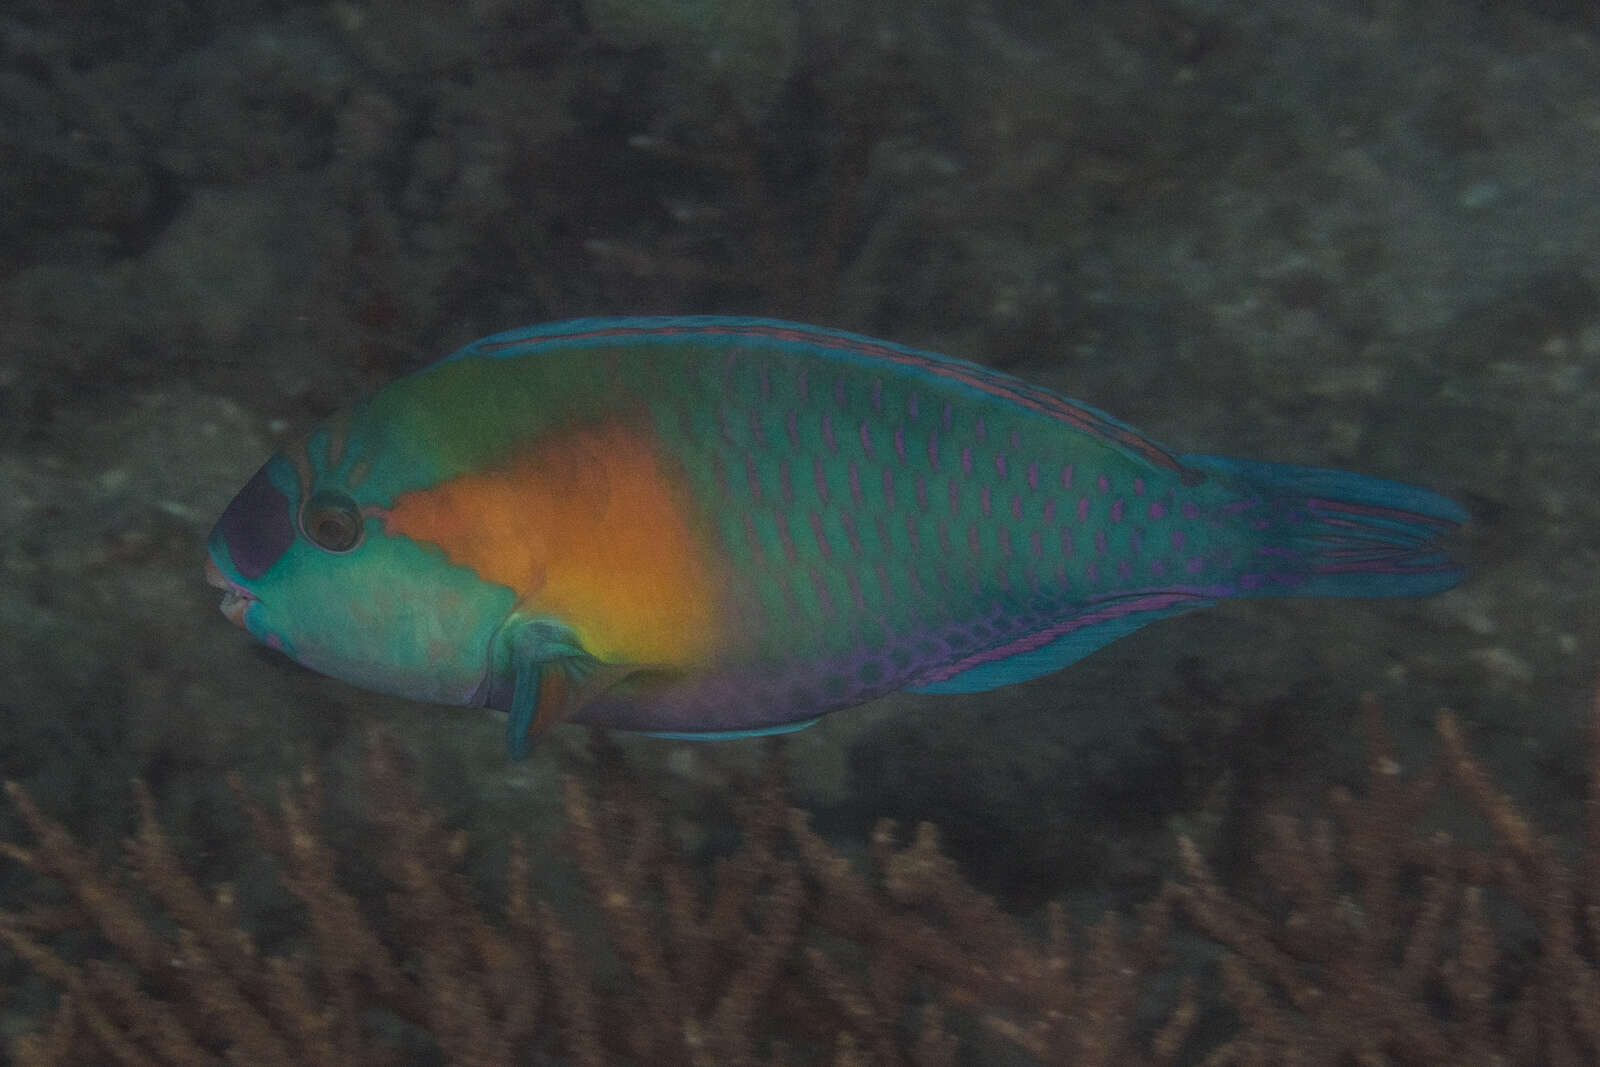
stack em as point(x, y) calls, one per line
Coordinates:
point(1359, 233)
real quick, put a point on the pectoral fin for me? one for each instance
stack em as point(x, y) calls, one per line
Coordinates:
point(554, 677)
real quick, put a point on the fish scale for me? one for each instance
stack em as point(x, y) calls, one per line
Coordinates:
point(712, 526)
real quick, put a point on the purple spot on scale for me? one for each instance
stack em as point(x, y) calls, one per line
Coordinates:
point(1000, 464)
point(1116, 510)
point(791, 422)
point(819, 478)
point(1066, 476)
point(881, 528)
point(922, 495)
point(1252, 581)
point(1190, 509)
point(1066, 543)
point(1138, 486)
point(913, 534)
point(838, 393)
point(751, 538)
point(1100, 542)
point(949, 415)
point(911, 405)
point(943, 533)
point(818, 535)
point(1005, 542)
point(719, 471)
point(877, 394)
point(966, 461)
point(888, 488)
point(854, 583)
point(1262, 524)
point(752, 479)
point(1016, 440)
point(756, 430)
point(1135, 541)
point(848, 521)
point(866, 440)
point(1103, 483)
point(953, 496)
point(1124, 570)
point(983, 500)
point(1016, 508)
point(1083, 509)
point(1240, 505)
point(1033, 475)
point(827, 432)
point(972, 538)
point(1050, 512)
point(1195, 565)
point(855, 484)
point(1156, 510)
point(900, 442)
point(933, 449)
point(1093, 572)
point(1178, 537)
point(786, 537)
point(1158, 566)
point(983, 431)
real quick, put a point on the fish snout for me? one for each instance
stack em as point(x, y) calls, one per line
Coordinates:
point(235, 598)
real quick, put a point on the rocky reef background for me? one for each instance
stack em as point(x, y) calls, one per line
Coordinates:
point(1359, 233)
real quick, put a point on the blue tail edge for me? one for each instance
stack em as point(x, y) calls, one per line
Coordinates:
point(1337, 534)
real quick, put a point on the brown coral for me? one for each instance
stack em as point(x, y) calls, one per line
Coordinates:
point(1374, 943)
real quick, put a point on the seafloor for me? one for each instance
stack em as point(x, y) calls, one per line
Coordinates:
point(1358, 233)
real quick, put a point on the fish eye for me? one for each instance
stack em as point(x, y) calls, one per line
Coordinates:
point(332, 522)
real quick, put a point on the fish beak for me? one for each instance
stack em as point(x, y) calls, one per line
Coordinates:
point(235, 599)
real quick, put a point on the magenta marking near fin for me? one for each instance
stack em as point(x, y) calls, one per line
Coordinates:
point(1112, 610)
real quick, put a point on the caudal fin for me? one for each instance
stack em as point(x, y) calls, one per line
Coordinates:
point(1333, 533)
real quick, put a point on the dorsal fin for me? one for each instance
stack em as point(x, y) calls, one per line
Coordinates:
point(836, 344)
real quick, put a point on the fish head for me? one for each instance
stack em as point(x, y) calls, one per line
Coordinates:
point(307, 565)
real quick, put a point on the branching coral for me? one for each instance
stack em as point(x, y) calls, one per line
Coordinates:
point(1373, 943)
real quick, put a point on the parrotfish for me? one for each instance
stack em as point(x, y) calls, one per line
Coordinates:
point(711, 527)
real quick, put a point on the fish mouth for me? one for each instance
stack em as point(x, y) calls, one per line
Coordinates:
point(235, 598)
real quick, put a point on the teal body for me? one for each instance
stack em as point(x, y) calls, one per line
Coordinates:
point(723, 526)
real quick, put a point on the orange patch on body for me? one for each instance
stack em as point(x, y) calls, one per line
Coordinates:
point(588, 528)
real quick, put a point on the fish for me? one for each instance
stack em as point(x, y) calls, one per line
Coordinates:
point(710, 527)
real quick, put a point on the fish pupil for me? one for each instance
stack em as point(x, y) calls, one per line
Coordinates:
point(333, 525)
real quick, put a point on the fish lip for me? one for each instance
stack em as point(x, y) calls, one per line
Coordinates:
point(235, 597)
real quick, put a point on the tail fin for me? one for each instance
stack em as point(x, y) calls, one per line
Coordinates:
point(1333, 533)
